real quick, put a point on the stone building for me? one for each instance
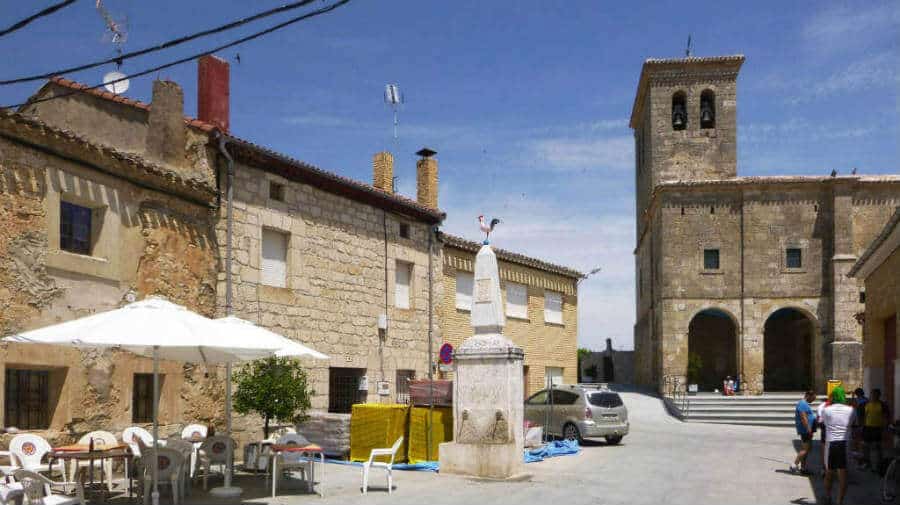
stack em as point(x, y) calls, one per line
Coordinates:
point(84, 227)
point(541, 301)
point(609, 365)
point(337, 264)
point(746, 275)
point(879, 268)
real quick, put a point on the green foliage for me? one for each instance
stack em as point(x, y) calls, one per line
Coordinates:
point(274, 388)
point(695, 364)
point(582, 353)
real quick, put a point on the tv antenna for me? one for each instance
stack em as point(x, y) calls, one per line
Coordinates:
point(115, 81)
point(687, 51)
point(394, 99)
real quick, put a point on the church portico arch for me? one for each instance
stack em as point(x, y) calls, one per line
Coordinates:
point(790, 335)
point(712, 348)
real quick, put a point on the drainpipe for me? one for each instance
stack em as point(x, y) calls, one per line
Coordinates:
point(742, 377)
point(431, 231)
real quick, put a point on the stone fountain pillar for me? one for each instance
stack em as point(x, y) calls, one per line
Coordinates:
point(488, 390)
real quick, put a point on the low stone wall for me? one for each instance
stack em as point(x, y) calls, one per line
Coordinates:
point(331, 431)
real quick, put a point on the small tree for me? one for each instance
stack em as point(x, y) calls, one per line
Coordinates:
point(582, 354)
point(274, 388)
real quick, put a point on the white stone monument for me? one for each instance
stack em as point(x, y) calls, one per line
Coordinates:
point(488, 439)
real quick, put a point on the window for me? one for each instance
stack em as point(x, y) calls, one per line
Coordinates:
point(539, 398)
point(516, 300)
point(276, 191)
point(465, 282)
point(74, 228)
point(142, 398)
point(403, 379)
point(553, 375)
point(402, 278)
point(273, 265)
point(862, 297)
point(27, 399)
point(710, 259)
point(553, 307)
point(793, 258)
point(343, 389)
point(404, 230)
point(707, 109)
point(560, 397)
point(679, 111)
point(605, 400)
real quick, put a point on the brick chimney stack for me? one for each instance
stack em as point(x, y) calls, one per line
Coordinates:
point(427, 178)
point(213, 91)
point(383, 171)
point(166, 130)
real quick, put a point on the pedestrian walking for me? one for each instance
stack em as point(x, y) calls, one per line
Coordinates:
point(820, 418)
point(805, 421)
point(876, 416)
point(838, 418)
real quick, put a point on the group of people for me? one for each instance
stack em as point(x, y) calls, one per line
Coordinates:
point(844, 423)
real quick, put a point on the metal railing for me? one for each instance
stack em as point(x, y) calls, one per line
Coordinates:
point(677, 392)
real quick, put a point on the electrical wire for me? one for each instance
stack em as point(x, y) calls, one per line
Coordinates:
point(118, 59)
point(46, 12)
point(241, 40)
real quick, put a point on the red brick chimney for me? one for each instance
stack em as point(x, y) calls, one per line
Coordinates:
point(213, 91)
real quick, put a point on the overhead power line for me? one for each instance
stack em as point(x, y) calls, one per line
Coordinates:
point(241, 40)
point(46, 12)
point(159, 47)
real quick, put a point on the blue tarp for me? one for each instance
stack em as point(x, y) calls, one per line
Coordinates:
point(552, 449)
point(425, 466)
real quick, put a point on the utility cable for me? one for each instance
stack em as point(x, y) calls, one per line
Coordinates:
point(248, 38)
point(46, 12)
point(118, 59)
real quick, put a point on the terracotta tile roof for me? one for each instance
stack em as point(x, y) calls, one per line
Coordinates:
point(892, 223)
point(521, 259)
point(300, 171)
point(777, 179)
point(101, 93)
point(68, 145)
point(288, 167)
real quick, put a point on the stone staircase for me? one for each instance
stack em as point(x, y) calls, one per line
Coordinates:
point(769, 409)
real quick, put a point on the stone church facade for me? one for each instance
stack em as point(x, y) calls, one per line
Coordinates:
point(740, 276)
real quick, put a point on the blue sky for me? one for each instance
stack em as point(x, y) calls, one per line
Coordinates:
point(526, 102)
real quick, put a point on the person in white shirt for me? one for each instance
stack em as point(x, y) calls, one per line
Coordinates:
point(838, 418)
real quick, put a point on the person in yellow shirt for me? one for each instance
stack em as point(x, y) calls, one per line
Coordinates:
point(876, 417)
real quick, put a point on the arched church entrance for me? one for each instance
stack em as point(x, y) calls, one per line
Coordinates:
point(787, 351)
point(712, 349)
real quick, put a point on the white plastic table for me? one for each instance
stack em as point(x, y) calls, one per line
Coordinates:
point(307, 450)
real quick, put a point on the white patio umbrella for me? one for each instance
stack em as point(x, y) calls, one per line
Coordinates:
point(158, 329)
point(286, 348)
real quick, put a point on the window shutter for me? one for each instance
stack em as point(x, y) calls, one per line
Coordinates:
point(516, 300)
point(401, 285)
point(465, 283)
point(273, 264)
point(553, 307)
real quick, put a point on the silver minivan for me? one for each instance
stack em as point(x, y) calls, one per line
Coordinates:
point(579, 411)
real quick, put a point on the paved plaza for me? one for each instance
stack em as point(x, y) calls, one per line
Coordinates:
point(662, 461)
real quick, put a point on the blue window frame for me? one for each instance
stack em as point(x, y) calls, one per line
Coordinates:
point(74, 228)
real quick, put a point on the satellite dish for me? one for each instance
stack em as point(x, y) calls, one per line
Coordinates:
point(115, 82)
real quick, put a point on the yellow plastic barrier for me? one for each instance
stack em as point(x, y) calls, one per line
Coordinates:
point(441, 431)
point(374, 425)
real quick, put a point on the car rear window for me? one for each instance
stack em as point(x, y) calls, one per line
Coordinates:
point(606, 400)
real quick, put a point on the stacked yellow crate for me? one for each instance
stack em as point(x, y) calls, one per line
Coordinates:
point(441, 431)
point(374, 425)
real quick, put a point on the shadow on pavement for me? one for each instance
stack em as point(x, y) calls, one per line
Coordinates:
point(862, 486)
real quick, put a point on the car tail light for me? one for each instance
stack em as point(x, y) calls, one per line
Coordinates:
point(587, 413)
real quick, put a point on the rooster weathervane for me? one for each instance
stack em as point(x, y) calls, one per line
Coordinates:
point(487, 228)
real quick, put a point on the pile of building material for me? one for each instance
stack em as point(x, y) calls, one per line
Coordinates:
point(328, 430)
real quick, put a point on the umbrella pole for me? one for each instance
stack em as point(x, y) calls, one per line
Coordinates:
point(155, 425)
point(227, 490)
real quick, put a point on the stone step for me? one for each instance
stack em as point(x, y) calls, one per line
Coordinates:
point(740, 422)
point(748, 409)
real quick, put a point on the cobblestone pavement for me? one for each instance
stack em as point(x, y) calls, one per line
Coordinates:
point(662, 461)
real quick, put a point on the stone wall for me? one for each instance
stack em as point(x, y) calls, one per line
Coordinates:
point(146, 243)
point(338, 279)
point(545, 344)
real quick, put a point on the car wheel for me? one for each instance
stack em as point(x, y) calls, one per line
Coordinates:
point(614, 440)
point(570, 432)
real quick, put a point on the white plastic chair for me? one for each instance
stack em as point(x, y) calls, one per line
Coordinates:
point(187, 451)
point(132, 436)
point(37, 490)
point(195, 434)
point(101, 439)
point(389, 466)
point(214, 451)
point(171, 471)
point(29, 451)
point(291, 460)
